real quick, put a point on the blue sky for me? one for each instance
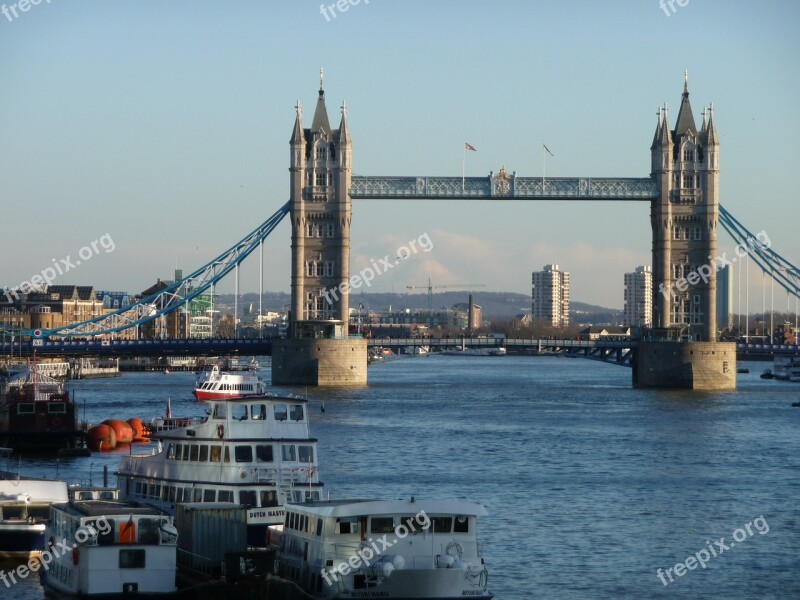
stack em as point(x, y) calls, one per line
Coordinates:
point(166, 126)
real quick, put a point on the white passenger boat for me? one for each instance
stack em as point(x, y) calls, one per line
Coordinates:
point(24, 510)
point(217, 383)
point(109, 549)
point(396, 549)
point(252, 451)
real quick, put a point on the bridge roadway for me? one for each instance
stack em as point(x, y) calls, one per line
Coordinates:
point(614, 351)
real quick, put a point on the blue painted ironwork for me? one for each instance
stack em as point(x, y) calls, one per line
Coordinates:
point(171, 297)
point(503, 186)
point(773, 264)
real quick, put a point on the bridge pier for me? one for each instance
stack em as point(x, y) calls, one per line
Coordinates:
point(319, 362)
point(702, 366)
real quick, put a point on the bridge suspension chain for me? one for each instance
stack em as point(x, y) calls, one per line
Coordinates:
point(175, 295)
point(773, 264)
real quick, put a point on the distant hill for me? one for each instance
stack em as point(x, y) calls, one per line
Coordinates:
point(495, 305)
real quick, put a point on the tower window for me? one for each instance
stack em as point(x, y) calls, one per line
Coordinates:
point(321, 179)
point(688, 155)
point(322, 153)
point(688, 180)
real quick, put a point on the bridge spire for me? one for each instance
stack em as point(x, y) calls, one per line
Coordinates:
point(320, 121)
point(298, 137)
point(685, 122)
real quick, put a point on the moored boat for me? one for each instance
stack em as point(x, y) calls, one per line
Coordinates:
point(113, 549)
point(396, 549)
point(24, 510)
point(38, 415)
point(254, 451)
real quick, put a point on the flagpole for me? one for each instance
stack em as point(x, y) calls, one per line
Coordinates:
point(544, 163)
point(463, 169)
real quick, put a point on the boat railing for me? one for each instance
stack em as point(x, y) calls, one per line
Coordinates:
point(285, 476)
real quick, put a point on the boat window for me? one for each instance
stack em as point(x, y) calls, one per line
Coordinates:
point(219, 410)
point(132, 559)
point(26, 408)
point(319, 526)
point(203, 453)
point(198, 495)
point(179, 452)
point(280, 412)
point(441, 524)
point(247, 497)
point(287, 452)
point(243, 454)
point(215, 453)
point(264, 453)
point(461, 525)
point(171, 451)
point(258, 412)
point(297, 412)
point(57, 407)
point(226, 455)
point(347, 525)
point(381, 525)
point(225, 496)
point(194, 452)
point(186, 452)
point(305, 454)
point(269, 498)
point(179, 495)
point(148, 530)
point(172, 494)
point(239, 412)
point(105, 535)
point(209, 495)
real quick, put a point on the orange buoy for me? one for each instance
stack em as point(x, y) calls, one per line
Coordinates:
point(101, 438)
point(123, 431)
point(138, 429)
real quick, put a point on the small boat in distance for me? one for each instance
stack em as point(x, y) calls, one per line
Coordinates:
point(216, 384)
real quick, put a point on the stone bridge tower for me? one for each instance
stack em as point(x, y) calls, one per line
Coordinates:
point(684, 220)
point(318, 349)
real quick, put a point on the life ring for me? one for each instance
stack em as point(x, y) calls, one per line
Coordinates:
point(220, 431)
point(56, 422)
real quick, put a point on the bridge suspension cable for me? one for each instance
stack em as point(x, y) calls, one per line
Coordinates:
point(174, 295)
point(773, 264)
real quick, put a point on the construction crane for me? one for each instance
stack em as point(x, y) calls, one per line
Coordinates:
point(430, 289)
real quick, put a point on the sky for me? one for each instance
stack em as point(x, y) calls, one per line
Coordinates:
point(164, 126)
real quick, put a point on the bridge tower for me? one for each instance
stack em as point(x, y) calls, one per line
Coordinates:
point(318, 350)
point(684, 219)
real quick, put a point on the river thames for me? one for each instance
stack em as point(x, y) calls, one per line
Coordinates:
point(591, 486)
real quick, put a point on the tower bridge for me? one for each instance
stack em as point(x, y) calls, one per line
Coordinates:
point(685, 214)
point(682, 188)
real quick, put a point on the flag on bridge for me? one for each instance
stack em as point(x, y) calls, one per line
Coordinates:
point(548, 150)
point(470, 147)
